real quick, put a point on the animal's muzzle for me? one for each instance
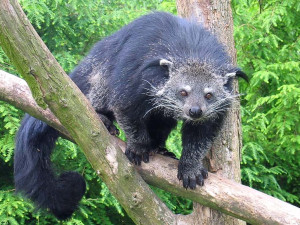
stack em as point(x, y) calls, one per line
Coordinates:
point(195, 112)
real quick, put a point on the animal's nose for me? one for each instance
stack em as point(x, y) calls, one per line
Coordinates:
point(195, 112)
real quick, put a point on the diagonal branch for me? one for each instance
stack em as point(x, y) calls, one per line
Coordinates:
point(218, 193)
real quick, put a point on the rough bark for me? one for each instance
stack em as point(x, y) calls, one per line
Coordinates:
point(224, 157)
point(16, 92)
point(218, 193)
point(51, 87)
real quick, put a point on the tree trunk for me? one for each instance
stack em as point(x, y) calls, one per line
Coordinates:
point(224, 157)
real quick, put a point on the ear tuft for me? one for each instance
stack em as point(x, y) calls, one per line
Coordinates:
point(241, 74)
point(238, 73)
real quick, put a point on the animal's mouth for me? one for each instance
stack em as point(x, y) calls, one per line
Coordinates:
point(194, 120)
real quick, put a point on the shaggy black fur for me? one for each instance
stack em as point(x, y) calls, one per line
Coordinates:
point(33, 174)
point(153, 72)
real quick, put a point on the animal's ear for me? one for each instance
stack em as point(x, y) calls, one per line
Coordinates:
point(167, 65)
point(157, 62)
point(165, 62)
point(237, 73)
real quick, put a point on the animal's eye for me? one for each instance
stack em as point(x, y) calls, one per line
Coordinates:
point(208, 96)
point(183, 93)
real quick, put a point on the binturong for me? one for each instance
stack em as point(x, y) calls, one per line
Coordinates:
point(155, 71)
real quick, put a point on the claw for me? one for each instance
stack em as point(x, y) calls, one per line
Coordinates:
point(129, 155)
point(137, 159)
point(192, 183)
point(200, 180)
point(185, 182)
point(179, 176)
point(204, 173)
point(146, 157)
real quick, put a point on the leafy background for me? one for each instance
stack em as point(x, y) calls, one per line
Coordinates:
point(268, 49)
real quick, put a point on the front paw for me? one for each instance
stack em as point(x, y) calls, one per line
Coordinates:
point(191, 174)
point(137, 157)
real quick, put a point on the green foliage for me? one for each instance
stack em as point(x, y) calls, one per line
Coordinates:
point(13, 208)
point(173, 143)
point(9, 123)
point(177, 204)
point(267, 42)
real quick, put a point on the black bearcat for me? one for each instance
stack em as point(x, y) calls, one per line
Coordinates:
point(153, 72)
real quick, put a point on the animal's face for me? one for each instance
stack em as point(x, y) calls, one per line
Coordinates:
point(194, 93)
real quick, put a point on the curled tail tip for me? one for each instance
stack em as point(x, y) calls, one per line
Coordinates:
point(69, 190)
point(61, 196)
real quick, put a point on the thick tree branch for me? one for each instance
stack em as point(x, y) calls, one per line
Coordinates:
point(218, 193)
point(53, 88)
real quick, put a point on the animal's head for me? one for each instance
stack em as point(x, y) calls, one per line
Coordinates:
point(196, 91)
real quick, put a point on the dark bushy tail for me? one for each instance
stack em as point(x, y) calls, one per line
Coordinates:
point(33, 173)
